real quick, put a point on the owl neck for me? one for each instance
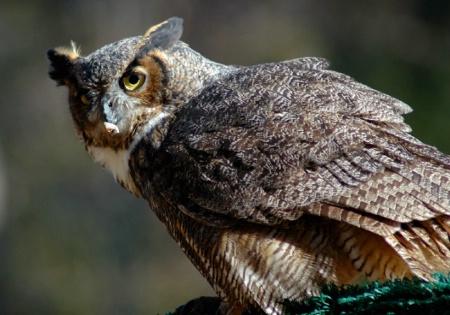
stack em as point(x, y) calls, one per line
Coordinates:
point(189, 72)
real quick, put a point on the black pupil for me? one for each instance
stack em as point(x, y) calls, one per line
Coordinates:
point(133, 79)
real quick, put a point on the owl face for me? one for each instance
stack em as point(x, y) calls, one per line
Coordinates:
point(118, 91)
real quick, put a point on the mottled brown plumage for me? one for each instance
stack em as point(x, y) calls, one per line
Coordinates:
point(274, 179)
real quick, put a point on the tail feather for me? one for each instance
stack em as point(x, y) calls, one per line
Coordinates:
point(424, 246)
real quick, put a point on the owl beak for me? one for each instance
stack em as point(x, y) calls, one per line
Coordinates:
point(111, 128)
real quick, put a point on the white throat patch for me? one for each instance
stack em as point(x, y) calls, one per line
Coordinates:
point(117, 162)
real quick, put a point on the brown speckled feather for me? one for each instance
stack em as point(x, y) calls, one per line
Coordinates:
point(261, 157)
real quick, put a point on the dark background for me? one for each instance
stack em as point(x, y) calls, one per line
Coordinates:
point(71, 240)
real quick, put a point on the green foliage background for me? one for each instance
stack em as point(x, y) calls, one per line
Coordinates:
point(71, 240)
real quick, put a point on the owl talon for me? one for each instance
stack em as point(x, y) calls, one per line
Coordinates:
point(111, 128)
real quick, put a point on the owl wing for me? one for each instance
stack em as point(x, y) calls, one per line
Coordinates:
point(271, 143)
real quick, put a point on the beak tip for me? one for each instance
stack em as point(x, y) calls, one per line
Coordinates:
point(111, 128)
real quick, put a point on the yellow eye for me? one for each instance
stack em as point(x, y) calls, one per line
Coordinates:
point(133, 81)
point(84, 100)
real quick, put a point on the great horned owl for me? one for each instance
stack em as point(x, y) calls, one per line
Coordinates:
point(274, 179)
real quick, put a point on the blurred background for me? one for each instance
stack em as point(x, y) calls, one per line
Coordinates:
point(71, 240)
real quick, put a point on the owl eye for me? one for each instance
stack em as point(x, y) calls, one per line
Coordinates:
point(133, 81)
point(84, 99)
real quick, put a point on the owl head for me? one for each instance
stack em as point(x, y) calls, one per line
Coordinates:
point(121, 88)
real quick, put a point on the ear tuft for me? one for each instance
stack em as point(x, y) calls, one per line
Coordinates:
point(163, 35)
point(61, 61)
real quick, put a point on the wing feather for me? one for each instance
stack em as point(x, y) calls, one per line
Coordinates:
point(313, 141)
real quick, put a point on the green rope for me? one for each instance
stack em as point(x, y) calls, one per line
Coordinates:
point(411, 297)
